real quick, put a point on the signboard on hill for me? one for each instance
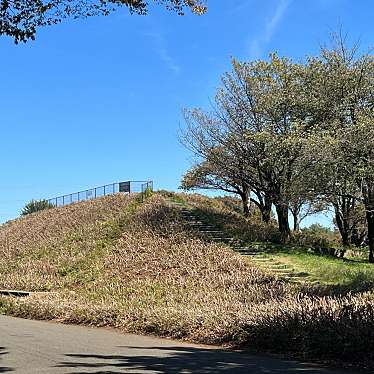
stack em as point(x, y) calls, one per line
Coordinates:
point(124, 187)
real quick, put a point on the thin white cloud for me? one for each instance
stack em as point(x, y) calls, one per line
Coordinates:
point(276, 18)
point(160, 47)
point(240, 7)
point(255, 49)
point(257, 44)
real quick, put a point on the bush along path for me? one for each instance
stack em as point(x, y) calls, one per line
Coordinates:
point(255, 253)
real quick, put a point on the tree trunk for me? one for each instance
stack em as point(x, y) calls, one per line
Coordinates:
point(266, 215)
point(266, 211)
point(296, 224)
point(245, 194)
point(342, 226)
point(369, 206)
point(295, 216)
point(283, 224)
point(264, 204)
point(246, 203)
point(355, 237)
point(370, 221)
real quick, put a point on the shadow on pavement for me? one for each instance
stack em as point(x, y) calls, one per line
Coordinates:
point(2, 368)
point(183, 360)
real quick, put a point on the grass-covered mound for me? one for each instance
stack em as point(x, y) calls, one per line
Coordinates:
point(116, 262)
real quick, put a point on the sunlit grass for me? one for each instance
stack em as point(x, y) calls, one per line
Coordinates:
point(353, 272)
point(328, 270)
point(139, 267)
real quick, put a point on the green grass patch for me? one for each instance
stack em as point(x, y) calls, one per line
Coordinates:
point(173, 196)
point(351, 272)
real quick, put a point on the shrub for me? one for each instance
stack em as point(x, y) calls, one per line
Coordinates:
point(320, 239)
point(36, 206)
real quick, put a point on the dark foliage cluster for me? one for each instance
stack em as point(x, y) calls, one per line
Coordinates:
point(35, 206)
point(20, 19)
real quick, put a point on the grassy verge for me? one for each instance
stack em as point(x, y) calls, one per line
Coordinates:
point(328, 270)
point(351, 273)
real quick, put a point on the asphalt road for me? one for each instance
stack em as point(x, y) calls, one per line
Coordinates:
point(35, 347)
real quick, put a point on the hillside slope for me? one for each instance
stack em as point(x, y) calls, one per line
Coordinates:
point(114, 261)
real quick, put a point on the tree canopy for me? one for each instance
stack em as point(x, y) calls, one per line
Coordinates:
point(20, 19)
point(258, 119)
point(297, 135)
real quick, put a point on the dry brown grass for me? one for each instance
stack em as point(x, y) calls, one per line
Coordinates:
point(34, 248)
point(226, 213)
point(138, 268)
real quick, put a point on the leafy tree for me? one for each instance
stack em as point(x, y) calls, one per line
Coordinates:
point(299, 134)
point(212, 173)
point(316, 228)
point(301, 208)
point(342, 149)
point(258, 119)
point(36, 206)
point(205, 176)
point(355, 149)
point(20, 19)
point(350, 219)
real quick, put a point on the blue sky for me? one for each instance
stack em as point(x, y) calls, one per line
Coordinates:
point(99, 100)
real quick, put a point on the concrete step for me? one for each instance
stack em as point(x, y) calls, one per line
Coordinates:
point(212, 231)
point(240, 248)
point(280, 267)
point(291, 275)
point(254, 254)
point(259, 259)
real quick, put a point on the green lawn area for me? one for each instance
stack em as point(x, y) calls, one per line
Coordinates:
point(352, 272)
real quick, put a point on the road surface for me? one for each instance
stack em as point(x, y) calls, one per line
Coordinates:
point(35, 347)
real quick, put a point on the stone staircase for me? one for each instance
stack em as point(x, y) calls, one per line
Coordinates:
point(259, 256)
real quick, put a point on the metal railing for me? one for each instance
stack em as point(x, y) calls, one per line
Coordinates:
point(128, 187)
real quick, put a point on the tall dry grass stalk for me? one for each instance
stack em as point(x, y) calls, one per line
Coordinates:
point(116, 262)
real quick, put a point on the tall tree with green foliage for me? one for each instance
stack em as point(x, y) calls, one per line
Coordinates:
point(20, 19)
point(301, 133)
point(258, 118)
point(353, 148)
point(341, 104)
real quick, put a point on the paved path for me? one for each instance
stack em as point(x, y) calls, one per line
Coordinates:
point(35, 347)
